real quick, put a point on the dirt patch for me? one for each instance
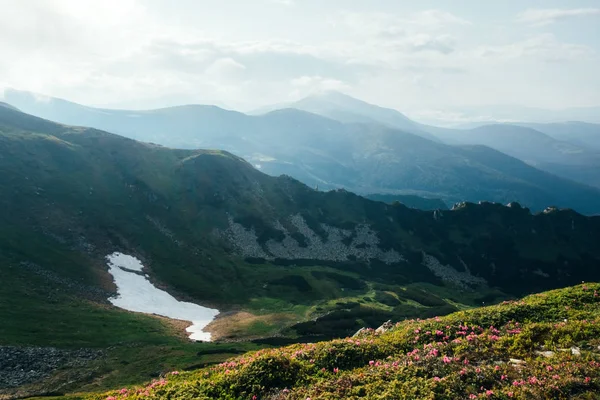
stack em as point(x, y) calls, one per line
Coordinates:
point(238, 325)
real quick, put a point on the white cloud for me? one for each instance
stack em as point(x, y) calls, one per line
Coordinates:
point(389, 25)
point(318, 83)
point(284, 2)
point(142, 53)
point(542, 17)
point(225, 68)
point(544, 47)
point(436, 19)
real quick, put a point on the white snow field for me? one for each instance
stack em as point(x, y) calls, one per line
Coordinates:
point(136, 293)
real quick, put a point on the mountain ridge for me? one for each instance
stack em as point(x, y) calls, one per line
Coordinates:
point(280, 260)
point(366, 158)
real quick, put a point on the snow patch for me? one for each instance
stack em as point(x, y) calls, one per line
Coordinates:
point(136, 293)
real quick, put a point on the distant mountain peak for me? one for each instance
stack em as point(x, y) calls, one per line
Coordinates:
point(6, 105)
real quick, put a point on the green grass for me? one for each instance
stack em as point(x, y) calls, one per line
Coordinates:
point(465, 355)
point(62, 187)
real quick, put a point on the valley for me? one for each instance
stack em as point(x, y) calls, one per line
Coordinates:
point(299, 200)
point(364, 149)
point(282, 262)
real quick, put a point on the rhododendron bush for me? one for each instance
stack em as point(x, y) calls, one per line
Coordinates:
point(544, 346)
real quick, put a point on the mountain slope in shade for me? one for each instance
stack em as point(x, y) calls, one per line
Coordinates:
point(364, 158)
point(421, 203)
point(6, 105)
point(561, 157)
point(527, 144)
point(347, 109)
point(579, 133)
point(272, 253)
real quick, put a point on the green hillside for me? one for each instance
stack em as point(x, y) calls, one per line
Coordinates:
point(283, 262)
point(383, 154)
point(543, 346)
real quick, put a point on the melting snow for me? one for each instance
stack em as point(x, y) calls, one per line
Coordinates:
point(136, 293)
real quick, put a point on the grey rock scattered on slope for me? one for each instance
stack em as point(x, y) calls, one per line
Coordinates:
point(23, 365)
point(448, 274)
point(364, 244)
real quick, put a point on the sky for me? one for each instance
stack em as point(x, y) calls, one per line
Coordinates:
point(415, 56)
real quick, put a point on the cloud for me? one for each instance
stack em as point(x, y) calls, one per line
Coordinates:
point(544, 47)
point(542, 17)
point(393, 25)
point(226, 69)
point(283, 2)
point(306, 85)
point(142, 53)
point(436, 18)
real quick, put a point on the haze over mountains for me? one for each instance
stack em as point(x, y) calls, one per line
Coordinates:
point(363, 148)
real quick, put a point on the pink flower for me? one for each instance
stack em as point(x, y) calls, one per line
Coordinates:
point(111, 398)
point(336, 370)
point(123, 391)
point(437, 378)
point(472, 396)
point(587, 379)
point(533, 380)
point(371, 363)
point(447, 360)
point(489, 392)
point(510, 394)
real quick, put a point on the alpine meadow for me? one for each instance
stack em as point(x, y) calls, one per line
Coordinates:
point(299, 200)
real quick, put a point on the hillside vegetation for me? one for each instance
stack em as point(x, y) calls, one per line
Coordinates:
point(382, 154)
point(543, 346)
point(284, 263)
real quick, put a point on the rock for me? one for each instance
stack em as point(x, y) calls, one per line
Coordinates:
point(385, 327)
point(360, 332)
point(547, 354)
point(23, 365)
point(575, 351)
point(516, 361)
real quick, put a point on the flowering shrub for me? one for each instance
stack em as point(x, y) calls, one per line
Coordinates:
point(544, 346)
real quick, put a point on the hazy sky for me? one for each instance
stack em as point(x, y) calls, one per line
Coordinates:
point(410, 55)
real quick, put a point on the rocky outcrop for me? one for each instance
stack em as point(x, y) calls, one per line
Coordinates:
point(340, 245)
point(23, 365)
point(448, 274)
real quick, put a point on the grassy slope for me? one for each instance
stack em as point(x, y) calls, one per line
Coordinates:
point(488, 353)
point(73, 195)
point(71, 188)
point(320, 151)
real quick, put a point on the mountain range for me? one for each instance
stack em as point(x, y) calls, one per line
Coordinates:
point(368, 150)
point(279, 259)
